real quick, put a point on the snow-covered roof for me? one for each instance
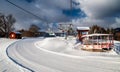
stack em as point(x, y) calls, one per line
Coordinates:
point(83, 28)
point(95, 35)
point(16, 32)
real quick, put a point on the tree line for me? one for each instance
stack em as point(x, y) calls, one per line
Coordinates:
point(98, 29)
point(7, 25)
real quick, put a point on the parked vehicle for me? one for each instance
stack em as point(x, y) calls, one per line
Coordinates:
point(49, 34)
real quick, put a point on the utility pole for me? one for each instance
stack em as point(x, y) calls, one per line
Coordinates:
point(71, 4)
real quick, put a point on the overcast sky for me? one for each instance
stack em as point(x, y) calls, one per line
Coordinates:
point(83, 13)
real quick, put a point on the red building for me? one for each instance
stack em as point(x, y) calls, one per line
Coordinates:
point(15, 35)
point(82, 31)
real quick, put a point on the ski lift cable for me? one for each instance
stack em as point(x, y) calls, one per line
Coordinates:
point(26, 11)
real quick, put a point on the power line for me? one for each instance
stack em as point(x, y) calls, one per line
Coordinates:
point(26, 11)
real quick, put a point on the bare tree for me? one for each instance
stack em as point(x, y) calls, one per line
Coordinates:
point(6, 24)
point(110, 31)
point(34, 28)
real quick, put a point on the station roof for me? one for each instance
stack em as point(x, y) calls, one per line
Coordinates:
point(83, 28)
point(96, 35)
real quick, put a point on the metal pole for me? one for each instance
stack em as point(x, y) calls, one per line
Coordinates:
point(71, 6)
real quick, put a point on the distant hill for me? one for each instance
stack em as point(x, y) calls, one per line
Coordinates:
point(117, 30)
point(117, 34)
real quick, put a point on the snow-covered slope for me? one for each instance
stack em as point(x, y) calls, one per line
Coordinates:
point(58, 55)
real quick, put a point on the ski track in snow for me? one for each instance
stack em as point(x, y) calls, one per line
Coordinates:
point(58, 55)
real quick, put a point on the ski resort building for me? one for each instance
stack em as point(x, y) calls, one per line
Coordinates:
point(82, 31)
point(97, 42)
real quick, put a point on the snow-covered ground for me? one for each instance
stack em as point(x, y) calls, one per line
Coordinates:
point(54, 55)
point(6, 65)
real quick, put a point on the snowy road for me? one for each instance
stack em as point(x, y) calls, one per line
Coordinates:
point(6, 65)
point(42, 59)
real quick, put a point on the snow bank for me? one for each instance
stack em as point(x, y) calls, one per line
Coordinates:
point(57, 44)
point(53, 44)
point(62, 46)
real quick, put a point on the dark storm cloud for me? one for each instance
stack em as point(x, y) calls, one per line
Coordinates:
point(47, 10)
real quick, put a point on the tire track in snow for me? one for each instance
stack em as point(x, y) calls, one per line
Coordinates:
point(15, 60)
